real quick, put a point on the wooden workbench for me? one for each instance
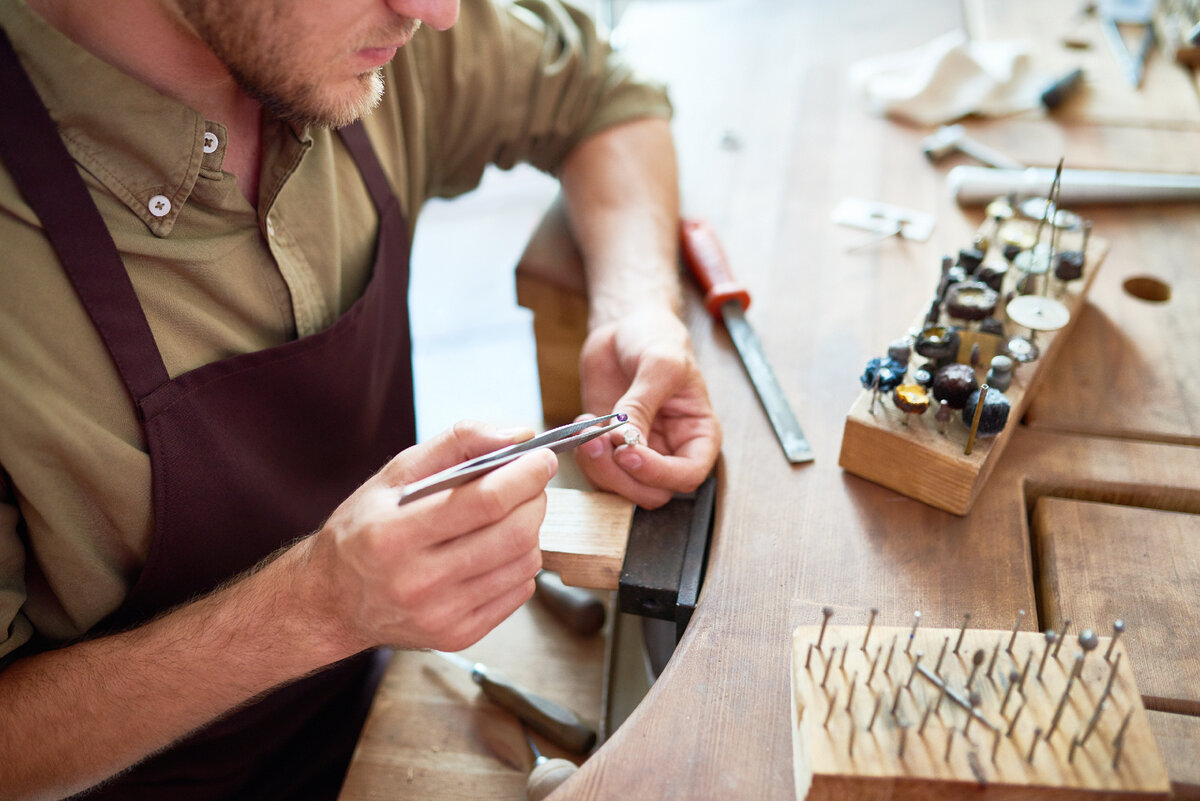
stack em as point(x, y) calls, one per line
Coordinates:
point(770, 138)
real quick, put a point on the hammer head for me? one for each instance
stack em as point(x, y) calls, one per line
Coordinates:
point(942, 142)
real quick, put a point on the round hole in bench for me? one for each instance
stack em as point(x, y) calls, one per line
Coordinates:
point(1148, 288)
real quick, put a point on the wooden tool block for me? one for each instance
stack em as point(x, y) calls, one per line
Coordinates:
point(584, 536)
point(842, 754)
point(908, 454)
point(1100, 562)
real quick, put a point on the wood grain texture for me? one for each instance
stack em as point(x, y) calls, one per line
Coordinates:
point(431, 734)
point(869, 724)
point(1101, 562)
point(584, 535)
point(1178, 738)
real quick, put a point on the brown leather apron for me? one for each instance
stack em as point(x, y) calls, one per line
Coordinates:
point(247, 454)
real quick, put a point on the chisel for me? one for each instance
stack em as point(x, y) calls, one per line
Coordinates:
point(727, 299)
point(556, 723)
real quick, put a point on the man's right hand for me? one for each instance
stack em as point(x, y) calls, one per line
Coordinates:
point(441, 571)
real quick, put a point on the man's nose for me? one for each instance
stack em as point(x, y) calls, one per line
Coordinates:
point(439, 14)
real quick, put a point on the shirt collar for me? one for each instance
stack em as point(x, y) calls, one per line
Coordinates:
point(144, 147)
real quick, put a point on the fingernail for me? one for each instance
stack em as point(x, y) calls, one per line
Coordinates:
point(592, 448)
point(518, 433)
point(628, 457)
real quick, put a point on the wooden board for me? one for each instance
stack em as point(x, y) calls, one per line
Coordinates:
point(1101, 562)
point(895, 740)
point(1167, 97)
point(1178, 737)
point(910, 453)
point(584, 535)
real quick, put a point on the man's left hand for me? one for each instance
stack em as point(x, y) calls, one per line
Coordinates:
point(643, 364)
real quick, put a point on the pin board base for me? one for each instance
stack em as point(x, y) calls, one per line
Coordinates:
point(908, 454)
point(843, 754)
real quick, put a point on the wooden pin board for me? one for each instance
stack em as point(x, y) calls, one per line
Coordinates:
point(843, 755)
point(907, 453)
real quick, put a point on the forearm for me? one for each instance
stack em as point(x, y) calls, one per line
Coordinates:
point(622, 197)
point(75, 716)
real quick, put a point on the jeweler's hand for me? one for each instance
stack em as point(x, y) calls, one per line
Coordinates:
point(443, 570)
point(643, 364)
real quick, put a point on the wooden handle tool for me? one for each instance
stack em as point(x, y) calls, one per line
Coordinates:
point(577, 607)
point(553, 721)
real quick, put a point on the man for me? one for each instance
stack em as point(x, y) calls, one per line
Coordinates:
point(206, 360)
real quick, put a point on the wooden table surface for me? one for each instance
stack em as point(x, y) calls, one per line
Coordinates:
point(770, 138)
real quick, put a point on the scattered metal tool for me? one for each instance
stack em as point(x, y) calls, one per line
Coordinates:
point(577, 607)
point(1133, 65)
point(547, 773)
point(954, 139)
point(726, 298)
point(556, 723)
point(559, 439)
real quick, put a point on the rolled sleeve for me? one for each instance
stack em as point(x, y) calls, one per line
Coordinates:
point(524, 82)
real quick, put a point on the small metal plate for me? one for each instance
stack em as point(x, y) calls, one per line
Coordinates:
point(882, 218)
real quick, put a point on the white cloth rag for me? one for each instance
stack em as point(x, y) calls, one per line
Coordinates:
point(949, 78)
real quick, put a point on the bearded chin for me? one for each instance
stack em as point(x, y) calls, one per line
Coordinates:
point(308, 106)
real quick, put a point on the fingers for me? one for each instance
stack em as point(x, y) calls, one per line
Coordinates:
point(465, 440)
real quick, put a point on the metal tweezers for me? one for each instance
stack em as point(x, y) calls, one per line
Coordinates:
point(560, 439)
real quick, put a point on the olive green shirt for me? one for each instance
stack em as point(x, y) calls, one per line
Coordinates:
point(216, 277)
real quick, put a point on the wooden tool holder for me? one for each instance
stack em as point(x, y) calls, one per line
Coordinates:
point(907, 453)
point(905, 753)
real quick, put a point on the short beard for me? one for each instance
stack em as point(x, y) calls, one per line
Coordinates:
point(250, 40)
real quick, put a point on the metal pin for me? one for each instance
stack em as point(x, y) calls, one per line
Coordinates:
point(1062, 637)
point(828, 667)
point(1025, 672)
point(913, 633)
point(1013, 678)
point(1119, 740)
point(874, 662)
point(908, 684)
point(896, 703)
point(1062, 703)
point(1088, 642)
point(937, 669)
point(974, 699)
point(903, 740)
point(925, 719)
point(832, 703)
point(827, 612)
point(992, 663)
point(875, 712)
point(808, 659)
point(1118, 627)
point(870, 624)
point(853, 685)
point(851, 745)
point(1074, 745)
point(1050, 638)
point(996, 742)
point(888, 663)
point(1100, 703)
point(949, 741)
point(941, 694)
point(983, 391)
point(1016, 627)
point(842, 661)
point(1013, 724)
point(962, 631)
point(1037, 734)
point(976, 661)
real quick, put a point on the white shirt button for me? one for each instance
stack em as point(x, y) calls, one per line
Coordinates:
point(210, 142)
point(160, 205)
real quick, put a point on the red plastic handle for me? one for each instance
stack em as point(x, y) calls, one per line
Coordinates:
point(703, 255)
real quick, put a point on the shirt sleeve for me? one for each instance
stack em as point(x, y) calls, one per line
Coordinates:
point(15, 629)
point(522, 82)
